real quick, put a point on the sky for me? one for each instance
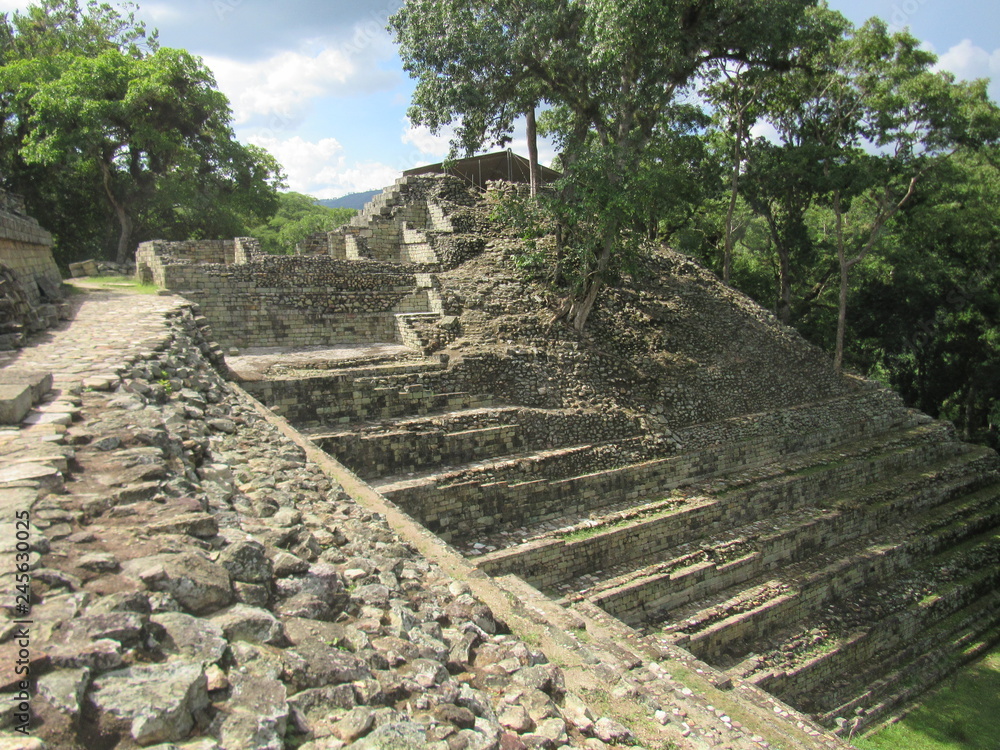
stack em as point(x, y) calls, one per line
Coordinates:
point(321, 86)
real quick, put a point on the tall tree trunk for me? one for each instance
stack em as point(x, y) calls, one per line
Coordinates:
point(727, 258)
point(125, 222)
point(845, 268)
point(784, 285)
point(784, 306)
point(532, 133)
point(838, 359)
point(124, 253)
point(976, 414)
point(580, 309)
point(557, 271)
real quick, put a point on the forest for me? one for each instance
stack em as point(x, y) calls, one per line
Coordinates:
point(829, 171)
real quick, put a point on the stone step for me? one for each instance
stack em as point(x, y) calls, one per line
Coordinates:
point(362, 372)
point(341, 399)
point(886, 631)
point(415, 444)
point(448, 421)
point(667, 535)
point(439, 443)
point(973, 514)
point(891, 692)
point(441, 476)
point(730, 624)
point(928, 494)
point(900, 655)
point(515, 500)
point(396, 454)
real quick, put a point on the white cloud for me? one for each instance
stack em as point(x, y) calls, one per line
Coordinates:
point(428, 144)
point(284, 85)
point(968, 61)
point(320, 169)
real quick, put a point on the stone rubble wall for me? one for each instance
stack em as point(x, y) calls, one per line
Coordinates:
point(409, 222)
point(155, 257)
point(30, 285)
point(342, 399)
point(460, 508)
point(464, 438)
point(257, 300)
point(633, 602)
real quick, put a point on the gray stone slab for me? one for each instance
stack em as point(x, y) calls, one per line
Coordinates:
point(54, 417)
point(42, 474)
point(15, 403)
point(39, 381)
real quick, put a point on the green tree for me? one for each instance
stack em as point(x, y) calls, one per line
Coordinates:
point(297, 217)
point(87, 95)
point(735, 95)
point(612, 70)
point(62, 197)
point(470, 71)
point(928, 311)
point(860, 128)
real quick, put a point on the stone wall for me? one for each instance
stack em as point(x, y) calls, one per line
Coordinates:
point(405, 223)
point(252, 299)
point(30, 282)
point(461, 507)
point(26, 249)
point(415, 444)
point(155, 257)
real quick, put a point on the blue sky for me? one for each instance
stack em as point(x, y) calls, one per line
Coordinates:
point(320, 85)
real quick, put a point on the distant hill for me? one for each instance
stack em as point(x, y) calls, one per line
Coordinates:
point(354, 200)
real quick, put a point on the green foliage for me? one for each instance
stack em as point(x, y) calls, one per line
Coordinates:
point(106, 133)
point(297, 217)
point(927, 319)
point(611, 73)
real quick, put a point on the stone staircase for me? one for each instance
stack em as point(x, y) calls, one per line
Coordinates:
point(399, 225)
point(841, 555)
point(843, 580)
point(362, 393)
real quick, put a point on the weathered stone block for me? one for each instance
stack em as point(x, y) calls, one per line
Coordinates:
point(15, 403)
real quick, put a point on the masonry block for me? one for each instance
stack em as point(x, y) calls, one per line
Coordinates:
point(15, 402)
point(39, 382)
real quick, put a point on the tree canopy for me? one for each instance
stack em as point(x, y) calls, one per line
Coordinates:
point(140, 132)
point(860, 219)
point(612, 72)
point(297, 217)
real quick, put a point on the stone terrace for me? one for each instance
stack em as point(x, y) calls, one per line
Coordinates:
point(829, 546)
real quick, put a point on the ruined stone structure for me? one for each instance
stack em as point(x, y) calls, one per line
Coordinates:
point(29, 278)
point(796, 531)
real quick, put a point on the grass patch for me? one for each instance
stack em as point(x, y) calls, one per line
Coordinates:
point(962, 714)
point(122, 284)
point(592, 531)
